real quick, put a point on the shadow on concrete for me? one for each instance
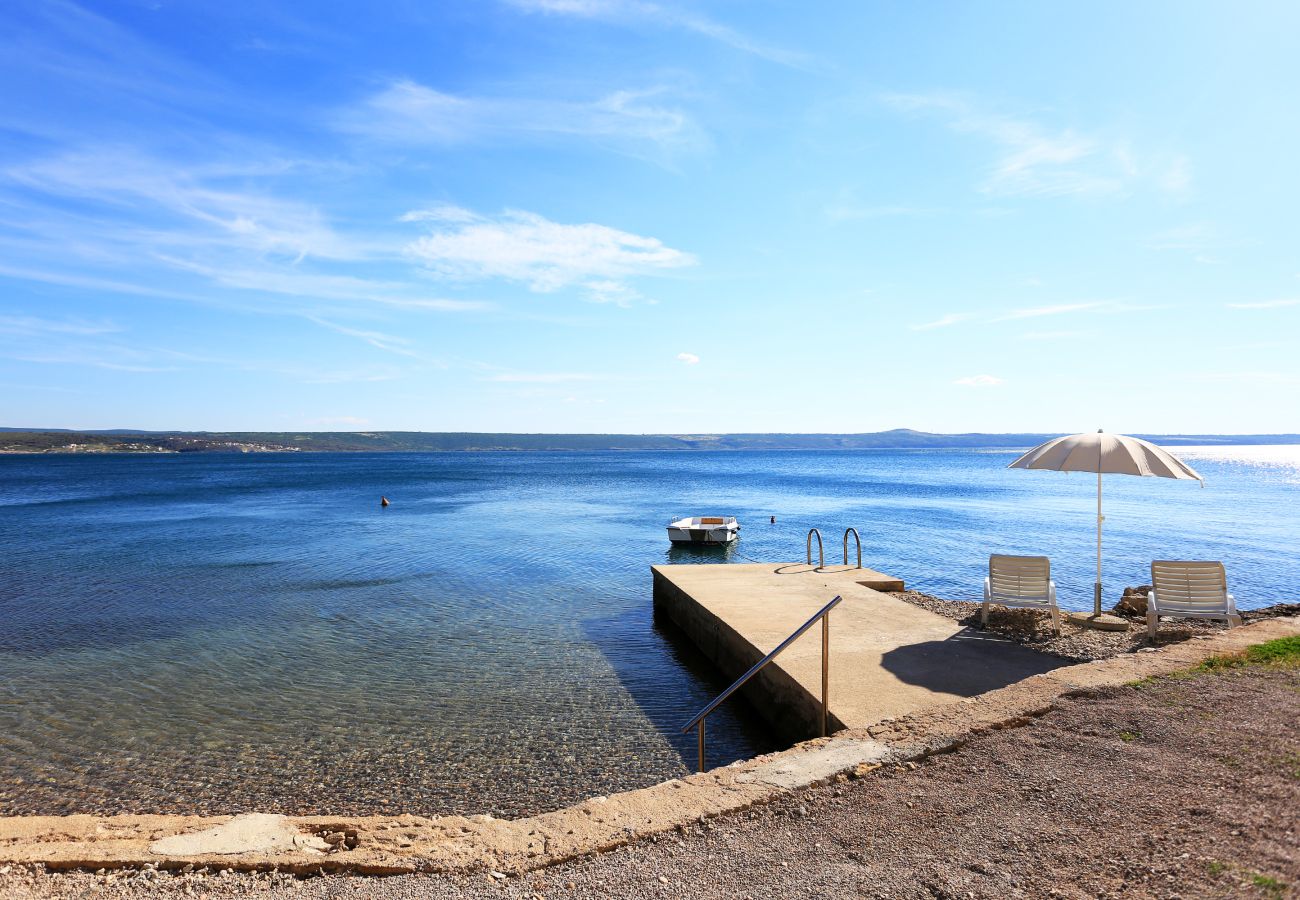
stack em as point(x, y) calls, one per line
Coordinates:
point(968, 663)
point(794, 569)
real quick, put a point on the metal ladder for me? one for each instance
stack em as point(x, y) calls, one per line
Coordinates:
point(821, 554)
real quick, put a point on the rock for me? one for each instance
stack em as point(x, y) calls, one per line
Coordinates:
point(250, 833)
point(1134, 601)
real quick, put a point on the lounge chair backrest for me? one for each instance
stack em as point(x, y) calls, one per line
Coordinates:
point(1185, 586)
point(1019, 576)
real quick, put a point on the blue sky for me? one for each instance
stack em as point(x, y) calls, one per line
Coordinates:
point(626, 216)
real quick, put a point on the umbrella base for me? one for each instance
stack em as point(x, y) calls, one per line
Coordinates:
point(1102, 622)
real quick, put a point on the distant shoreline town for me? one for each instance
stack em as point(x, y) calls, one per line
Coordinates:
point(17, 440)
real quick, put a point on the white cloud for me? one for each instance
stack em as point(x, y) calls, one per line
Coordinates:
point(689, 358)
point(1265, 304)
point(1052, 335)
point(979, 381)
point(1040, 161)
point(542, 377)
point(445, 212)
point(942, 321)
point(1112, 307)
point(35, 326)
point(1058, 309)
point(293, 282)
point(1193, 236)
point(845, 212)
point(413, 113)
point(638, 12)
point(614, 292)
point(376, 339)
point(1177, 179)
point(547, 256)
point(1096, 307)
point(204, 197)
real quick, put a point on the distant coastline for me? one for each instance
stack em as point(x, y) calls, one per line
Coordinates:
point(22, 440)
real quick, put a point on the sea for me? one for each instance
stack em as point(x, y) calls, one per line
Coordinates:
point(223, 633)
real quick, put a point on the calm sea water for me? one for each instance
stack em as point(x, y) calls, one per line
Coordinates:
point(227, 632)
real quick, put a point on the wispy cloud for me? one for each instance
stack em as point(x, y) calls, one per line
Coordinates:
point(1266, 304)
point(689, 359)
point(1036, 312)
point(547, 256)
point(36, 326)
point(979, 381)
point(1177, 178)
point(637, 13)
point(1194, 236)
point(1257, 377)
point(542, 377)
point(204, 196)
point(1053, 335)
point(846, 212)
point(294, 282)
point(377, 339)
point(1038, 160)
point(96, 361)
point(1094, 307)
point(943, 321)
point(636, 121)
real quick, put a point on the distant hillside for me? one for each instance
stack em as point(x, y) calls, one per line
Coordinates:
point(17, 440)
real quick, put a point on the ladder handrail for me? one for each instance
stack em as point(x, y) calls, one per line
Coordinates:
point(821, 553)
point(824, 615)
point(858, 540)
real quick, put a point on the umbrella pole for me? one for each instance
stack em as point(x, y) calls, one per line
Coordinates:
point(1096, 588)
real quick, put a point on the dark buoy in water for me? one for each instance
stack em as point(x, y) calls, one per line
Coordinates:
point(773, 520)
point(383, 501)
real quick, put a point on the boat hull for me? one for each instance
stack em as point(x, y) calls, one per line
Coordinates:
point(718, 534)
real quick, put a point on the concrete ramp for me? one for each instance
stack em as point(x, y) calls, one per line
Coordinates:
point(888, 658)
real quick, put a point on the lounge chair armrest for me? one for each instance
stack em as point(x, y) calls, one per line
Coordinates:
point(1232, 604)
point(988, 588)
point(1152, 603)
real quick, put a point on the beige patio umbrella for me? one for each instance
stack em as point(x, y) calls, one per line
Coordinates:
point(1104, 453)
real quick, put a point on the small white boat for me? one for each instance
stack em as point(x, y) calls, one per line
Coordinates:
point(704, 530)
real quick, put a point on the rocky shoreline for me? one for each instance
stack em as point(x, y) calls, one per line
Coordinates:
point(1179, 785)
point(1034, 629)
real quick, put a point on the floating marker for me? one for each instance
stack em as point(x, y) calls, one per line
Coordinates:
point(383, 501)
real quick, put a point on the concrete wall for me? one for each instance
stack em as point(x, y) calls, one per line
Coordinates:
point(792, 711)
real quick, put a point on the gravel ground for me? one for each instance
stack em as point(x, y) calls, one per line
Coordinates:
point(1034, 628)
point(1180, 787)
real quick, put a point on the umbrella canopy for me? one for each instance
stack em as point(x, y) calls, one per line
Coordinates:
point(1115, 454)
point(1105, 453)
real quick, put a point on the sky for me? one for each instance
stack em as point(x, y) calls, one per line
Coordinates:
point(650, 217)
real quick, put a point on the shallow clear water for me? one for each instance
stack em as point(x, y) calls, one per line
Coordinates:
point(227, 632)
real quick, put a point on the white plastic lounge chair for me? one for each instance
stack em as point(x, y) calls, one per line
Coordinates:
point(1024, 581)
point(1197, 590)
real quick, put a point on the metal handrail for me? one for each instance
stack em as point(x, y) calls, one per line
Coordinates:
point(857, 540)
point(824, 614)
point(821, 555)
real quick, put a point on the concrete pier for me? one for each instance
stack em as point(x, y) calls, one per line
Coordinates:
point(887, 657)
